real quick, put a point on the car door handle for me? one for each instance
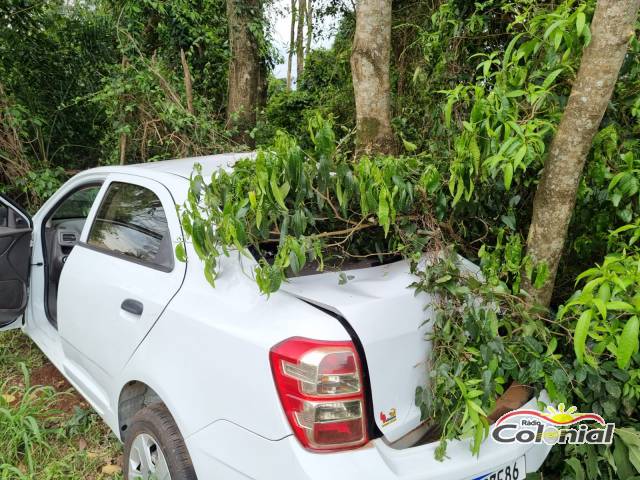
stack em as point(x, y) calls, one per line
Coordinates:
point(132, 306)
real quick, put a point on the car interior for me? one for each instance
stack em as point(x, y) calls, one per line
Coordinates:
point(61, 232)
point(15, 239)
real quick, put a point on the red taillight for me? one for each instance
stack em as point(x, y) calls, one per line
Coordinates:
point(321, 390)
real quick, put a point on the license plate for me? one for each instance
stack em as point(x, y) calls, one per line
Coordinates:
point(515, 470)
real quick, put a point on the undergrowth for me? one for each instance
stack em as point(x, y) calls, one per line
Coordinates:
point(39, 440)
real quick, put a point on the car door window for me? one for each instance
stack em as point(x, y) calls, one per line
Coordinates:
point(15, 260)
point(10, 218)
point(4, 215)
point(132, 223)
point(77, 205)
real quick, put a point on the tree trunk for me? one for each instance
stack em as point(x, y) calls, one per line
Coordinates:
point(307, 50)
point(292, 41)
point(187, 81)
point(122, 148)
point(302, 12)
point(122, 141)
point(370, 71)
point(246, 69)
point(612, 27)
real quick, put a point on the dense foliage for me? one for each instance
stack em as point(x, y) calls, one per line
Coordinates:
point(478, 89)
point(294, 207)
point(92, 83)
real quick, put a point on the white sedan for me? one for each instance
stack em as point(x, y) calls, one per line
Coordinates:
point(315, 382)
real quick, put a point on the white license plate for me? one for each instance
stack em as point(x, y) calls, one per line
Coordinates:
point(515, 470)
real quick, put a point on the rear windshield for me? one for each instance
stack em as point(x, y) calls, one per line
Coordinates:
point(331, 263)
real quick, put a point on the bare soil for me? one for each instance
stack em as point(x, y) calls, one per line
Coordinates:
point(48, 375)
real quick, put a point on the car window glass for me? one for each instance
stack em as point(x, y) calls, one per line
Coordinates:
point(4, 215)
point(12, 217)
point(77, 205)
point(20, 221)
point(132, 222)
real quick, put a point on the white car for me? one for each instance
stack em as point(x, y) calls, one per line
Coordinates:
point(315, 382)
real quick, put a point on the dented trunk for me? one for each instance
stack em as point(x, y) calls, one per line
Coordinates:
point(391, 322)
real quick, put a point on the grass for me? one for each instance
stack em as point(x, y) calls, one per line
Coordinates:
point(46, 432)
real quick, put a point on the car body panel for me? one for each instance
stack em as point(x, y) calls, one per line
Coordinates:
point(391, 323)
point(15, 257)
point(205, 351)
point(98, 336)
point(287, 460)
point(221, 369)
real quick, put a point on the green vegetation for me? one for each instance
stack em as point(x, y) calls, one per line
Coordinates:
point(478, 91)
point(47, 432)
point(312, 206)
point(293, 207)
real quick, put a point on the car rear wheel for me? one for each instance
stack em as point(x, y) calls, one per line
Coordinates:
point(154, 448)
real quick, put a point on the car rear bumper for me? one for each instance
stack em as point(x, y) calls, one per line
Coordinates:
point(225, 450)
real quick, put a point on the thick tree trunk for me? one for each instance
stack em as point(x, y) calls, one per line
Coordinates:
point(612, 28)
point(246, 68)
point(292, 41)
point(302, 13)
point(370, 71)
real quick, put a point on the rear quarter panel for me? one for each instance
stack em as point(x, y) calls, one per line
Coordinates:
point(208, 355)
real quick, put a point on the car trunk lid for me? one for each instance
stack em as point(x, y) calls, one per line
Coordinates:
point(390, 321)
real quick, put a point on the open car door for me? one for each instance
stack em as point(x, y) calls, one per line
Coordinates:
point(15, 260)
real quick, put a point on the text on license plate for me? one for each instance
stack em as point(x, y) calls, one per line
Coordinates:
point(515, 470)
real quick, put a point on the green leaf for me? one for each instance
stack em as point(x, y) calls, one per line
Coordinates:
point(444, 279)
point(580, 21)
point(550, 30)
point(284, 190)
point(277, 193)
point(508, 175)
point(600, 305)
point(557, 39)
point(627, 343)
point(517, 159)
point(181, 254)
point(621, 306)
point(477, 408)
point(475, 153)
point(604, 293)
point(408, 146)
point(551, 78)
point(542, 273)
point(576, 466)
point(198, 238)
point(447, 110)
point(383, 211)
point(631, 439)
point(210, 270)
point(621, 456)
point(580, 334)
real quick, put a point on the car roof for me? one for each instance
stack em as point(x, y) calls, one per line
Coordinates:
point(173, 174)
point(183, 167)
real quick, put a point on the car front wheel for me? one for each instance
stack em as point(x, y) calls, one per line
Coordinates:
point(154, 448)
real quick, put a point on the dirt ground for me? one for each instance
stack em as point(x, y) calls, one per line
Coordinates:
point(48, 375)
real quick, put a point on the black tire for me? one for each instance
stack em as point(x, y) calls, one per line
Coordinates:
point(156, 421)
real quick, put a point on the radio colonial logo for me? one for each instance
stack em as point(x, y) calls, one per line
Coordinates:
point(553, 426)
